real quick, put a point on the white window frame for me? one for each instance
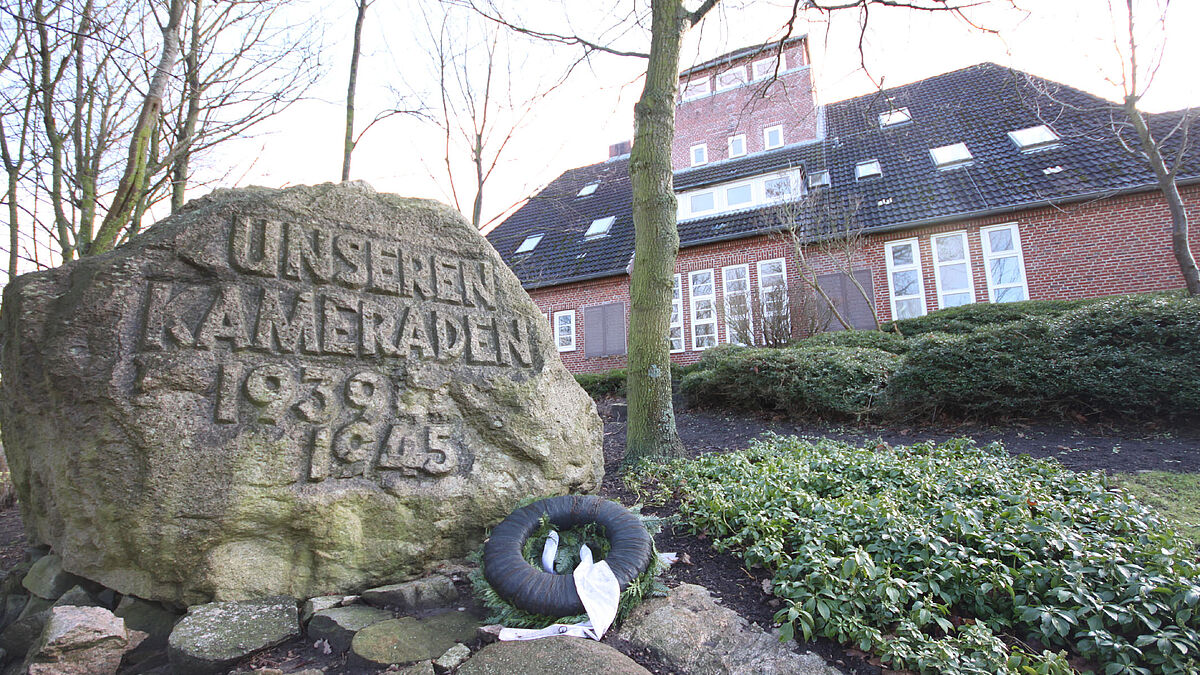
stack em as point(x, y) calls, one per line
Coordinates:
point(938, 264)
point(871, 168)
point(677, 312)
point(711, 297)
point(726, 293)
point(768, 67)
point(951, 156)
point(737, 137)
point(587, 189)
point(734, 72)
point(893, 117)
point(758, 189)
point(767, 136)
point(764, 288)
point(600, 227)
point(703, 154)
point(714, 208)
point(916, 265)
point(988, 256)
point(694, 89)
point(569, 313)
point(531, 242)
point(743, 205)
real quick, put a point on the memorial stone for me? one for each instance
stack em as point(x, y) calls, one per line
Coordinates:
point(304, 391)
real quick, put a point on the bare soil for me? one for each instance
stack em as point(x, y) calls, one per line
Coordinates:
point(1084, 446)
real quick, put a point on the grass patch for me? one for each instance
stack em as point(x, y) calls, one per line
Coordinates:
point(1175, 495)
point(949, 558)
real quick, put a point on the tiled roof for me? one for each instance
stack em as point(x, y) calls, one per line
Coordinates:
point(978, 106)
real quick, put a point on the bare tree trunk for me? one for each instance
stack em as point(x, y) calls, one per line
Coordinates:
point(651, 431)
point(348, 145)
point(1166, 182)
point(134, 178)
point(187, 130)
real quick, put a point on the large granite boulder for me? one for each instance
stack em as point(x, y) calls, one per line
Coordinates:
point(300, 392)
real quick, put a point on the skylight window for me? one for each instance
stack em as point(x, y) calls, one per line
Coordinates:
point(891, 118)
point(588, 189)
point(867, 169)
point(950, 156)
point(530, 243)
point(599, 227)
point(818, 179)
point(1034, 138)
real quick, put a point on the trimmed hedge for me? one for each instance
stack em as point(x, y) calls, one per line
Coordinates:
point(1125, 355)
point(822, 380)
point(969, 318)
point(599, 385)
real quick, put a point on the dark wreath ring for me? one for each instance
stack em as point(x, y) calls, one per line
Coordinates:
point(554, 595)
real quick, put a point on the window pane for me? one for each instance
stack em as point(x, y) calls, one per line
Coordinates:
point(674, 313)
point(779, 187)
point(1000, 240)
point(902, 255)
point(736, 196)
point(954, 277)
point(702, 202)
point(906, 283)
point(773, 267)
point(704, 310)
point(949, 248)
point(956, 299)
point(1005, 271)
point(1010, 294)
point(907, 309)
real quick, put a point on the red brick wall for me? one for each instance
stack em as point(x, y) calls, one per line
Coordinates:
point(747, 109)
point(1103, 247)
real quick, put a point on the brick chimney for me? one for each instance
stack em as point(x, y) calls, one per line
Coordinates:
point(618, 149)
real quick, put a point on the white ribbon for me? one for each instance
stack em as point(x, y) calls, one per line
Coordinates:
point(598, 589)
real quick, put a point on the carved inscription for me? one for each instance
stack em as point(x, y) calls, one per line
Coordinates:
point(315, 320)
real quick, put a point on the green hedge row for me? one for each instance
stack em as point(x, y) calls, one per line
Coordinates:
point(1131, 355)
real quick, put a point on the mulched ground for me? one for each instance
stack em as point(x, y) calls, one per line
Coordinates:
point(1079, 446)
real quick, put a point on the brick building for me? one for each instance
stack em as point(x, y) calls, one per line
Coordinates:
point(979, 185)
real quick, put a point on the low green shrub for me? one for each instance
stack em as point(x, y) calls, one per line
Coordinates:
point(599, 385)
point(972, 317)
point(821, 380)
point(875, 339)
point(944, 558)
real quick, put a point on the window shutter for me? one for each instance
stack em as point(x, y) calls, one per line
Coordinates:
point(593, 331)
point(849, 302)
point(614, 329)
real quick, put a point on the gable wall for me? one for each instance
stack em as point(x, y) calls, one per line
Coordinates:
point(1104, 247)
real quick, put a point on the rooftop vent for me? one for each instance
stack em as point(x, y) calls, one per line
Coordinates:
point(1034, 138)
point(818, 179)
point(588, 189)
point(618, 149)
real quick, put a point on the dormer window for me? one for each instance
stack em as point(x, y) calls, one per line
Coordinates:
point(588, 189)
point(699, 154)
point(818, 179)
point(734, 77)
point(950, 156)
point(599, 228)
point(773, 137)
point(766, 67)
point(530, 243)
point(1034, 138)
point(696, 89)
point(737, 145)
point(867, 169)
point(893, 117)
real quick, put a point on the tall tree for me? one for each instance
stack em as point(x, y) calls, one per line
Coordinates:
point(352, 86)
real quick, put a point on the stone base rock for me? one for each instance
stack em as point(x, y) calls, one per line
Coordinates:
point(314, 605)
point(338, 625)
point(81, 641)
point(453, 658)
point(690, 632)
point(551, 656)
point(46, 579)
point(214, 636)
point(410, 639)
point(432, 591)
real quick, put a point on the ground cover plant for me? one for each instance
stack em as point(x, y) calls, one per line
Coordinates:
point(949, 557)
point(1131, 356)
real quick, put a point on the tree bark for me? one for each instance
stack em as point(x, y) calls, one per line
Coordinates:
point(187, 130)
point(651, 431)
point(134, 178)
point(348, 145)
point(1166, 183)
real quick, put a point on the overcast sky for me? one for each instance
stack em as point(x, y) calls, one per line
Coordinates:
point(1070, 41)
